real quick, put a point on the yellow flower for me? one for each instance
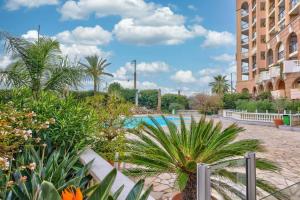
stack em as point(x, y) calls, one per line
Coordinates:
point(70, 194)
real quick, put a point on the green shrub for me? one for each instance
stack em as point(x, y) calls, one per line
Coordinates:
point(112, 117)
point(5, 96)
point(253, 106)
point(148, 98)
point(230, 100)
point(82, 95)
point(176, 106)
point(264, 96)
point(168, 99)
point(75, 122)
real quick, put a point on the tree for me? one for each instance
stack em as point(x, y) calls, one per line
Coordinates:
point(38, 65)
point(148, 98)
point(168, 99)
point(115, 87)
point(220, 85)
point(94, 69)
point(155, 150)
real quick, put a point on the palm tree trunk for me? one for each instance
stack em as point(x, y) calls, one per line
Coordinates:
point(190, 190)
point(95, 87)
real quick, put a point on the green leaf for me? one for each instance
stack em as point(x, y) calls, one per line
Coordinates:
point(48, 192)
point(103, 190)
point(136, 191)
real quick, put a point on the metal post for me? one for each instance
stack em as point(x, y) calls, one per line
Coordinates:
point(203, 182)
point(251, 176)
point(135, 83)
point(116, 163)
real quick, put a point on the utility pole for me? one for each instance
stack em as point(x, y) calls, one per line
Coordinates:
point(39, 29)
point(231, 83)
point(135, 84)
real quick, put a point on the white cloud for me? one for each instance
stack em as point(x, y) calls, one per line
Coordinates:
point(217, 39)
point(126, 8)
point(144, 68)
point(192, 7)
point(182, 76)
point(144, 85)
point(5, 60)
point(85, 36)
point(80, 42)
point(77, 51)
point(224, 58)
point(16, 4)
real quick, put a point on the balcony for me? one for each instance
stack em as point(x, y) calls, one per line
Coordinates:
point(254, 35)
point(295, 93)
point(272, 9)
point(294, 7)
point(258, 79)
point(277, 94)
point(264, 76)
point(291, 66)
point(245, 28)
point(274, 71)
point(254, 21)
point(245, 42)
point(281, 16)
point(244, 13)
point(245, 70)
point(245, 55)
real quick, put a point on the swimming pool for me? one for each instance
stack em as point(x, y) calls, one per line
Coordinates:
point(135, 121)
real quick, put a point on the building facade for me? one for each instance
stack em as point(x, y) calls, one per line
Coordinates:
point(268, 47)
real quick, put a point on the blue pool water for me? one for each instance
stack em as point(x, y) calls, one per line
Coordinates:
point(135, 121)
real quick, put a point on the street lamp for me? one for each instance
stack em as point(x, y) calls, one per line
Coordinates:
point(134, 83)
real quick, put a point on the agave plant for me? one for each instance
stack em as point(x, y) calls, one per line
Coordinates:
point(32, 167)
point(98, 192)
point(156, 150)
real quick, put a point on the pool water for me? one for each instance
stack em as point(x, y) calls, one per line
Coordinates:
point(135, 121)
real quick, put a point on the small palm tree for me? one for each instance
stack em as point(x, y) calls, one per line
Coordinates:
point(155, 150)
point(220, 85)
point(38, 65)
point(94, 69)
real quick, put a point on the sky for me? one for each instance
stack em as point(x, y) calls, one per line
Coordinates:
point(178, 44)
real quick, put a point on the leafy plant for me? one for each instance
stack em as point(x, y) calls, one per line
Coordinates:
point(17, 129)
point(38, 65)
point(155, 150)
point(168, 99)
point(206, 104)
point(112, 115)
point(31, 167)
point(75, 122)
point(94, 69)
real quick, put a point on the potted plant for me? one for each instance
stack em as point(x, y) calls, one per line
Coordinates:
point(278, 122)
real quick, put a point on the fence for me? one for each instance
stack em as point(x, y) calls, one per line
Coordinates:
point(260, 117)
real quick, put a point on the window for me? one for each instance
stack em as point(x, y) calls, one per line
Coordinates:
point(280, 52)
point(293, 44)
point(270, 57)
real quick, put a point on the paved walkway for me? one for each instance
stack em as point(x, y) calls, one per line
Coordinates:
point(282, 147)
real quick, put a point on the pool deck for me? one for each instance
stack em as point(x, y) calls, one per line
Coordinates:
point(282, 146)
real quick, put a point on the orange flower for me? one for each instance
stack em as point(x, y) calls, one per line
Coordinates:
point(70, 194)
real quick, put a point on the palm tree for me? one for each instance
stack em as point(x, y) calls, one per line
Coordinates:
point(155, 150)
point(38, 65)
point(220, 85)
point(95, 69)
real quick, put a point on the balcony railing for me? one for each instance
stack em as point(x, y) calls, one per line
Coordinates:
point(245, 41)
point(291, 66)
point(295, 93)
point(293, 3)
point(265, 76)
point(245, 26)
point(244, 13)
point(274, 71)
point(271, 7)
point(245, 70)
point(278, 94)
point(281, 15)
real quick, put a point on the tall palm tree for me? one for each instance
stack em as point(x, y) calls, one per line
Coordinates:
point(220, 85)
point(95, 69)
point(38, 65)
point(155, 150)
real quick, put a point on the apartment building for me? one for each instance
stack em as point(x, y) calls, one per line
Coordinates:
point(268, 51)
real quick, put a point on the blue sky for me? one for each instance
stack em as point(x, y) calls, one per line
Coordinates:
point(177, 44)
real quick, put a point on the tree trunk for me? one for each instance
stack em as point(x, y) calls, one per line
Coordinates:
point(190, 190)
point(95, 87)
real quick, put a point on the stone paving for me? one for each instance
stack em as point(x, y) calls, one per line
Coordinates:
point(281, 146)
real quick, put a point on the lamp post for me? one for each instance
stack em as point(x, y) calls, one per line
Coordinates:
point(134, 83)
